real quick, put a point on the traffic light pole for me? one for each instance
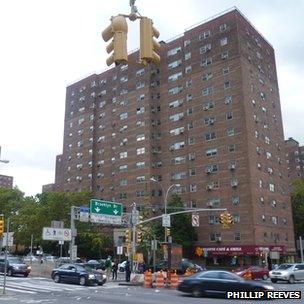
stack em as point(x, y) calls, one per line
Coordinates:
point(72, 243)
point(5, 257)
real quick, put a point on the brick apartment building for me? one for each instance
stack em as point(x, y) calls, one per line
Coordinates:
point(295, 159)
point(6, 181)
point(208, 118)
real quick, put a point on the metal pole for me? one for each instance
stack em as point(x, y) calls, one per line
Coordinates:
point(301, 249)
point(154, 254)
point(133, 223)
point(5, 257)
point(72, 243)
point(31, 249)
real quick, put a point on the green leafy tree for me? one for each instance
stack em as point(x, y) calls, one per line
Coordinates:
point(297, 201)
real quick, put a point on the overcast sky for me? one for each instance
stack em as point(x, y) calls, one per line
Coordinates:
point(46, 45)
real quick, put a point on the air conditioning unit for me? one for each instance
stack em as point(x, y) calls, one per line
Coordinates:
point(218, 239)
point(171, 148)
point(206, 108)
point(211, 121)
point(208, 170)
point(211, 222)
point(209, 187)
point(234, 183)
point(232, 166)
point(209, 204)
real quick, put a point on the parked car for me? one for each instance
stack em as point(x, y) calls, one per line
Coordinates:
point(75, 273)
point(287, 272)
point(257, 272)
point(15, 265)
point(67, 260)
point(94, 264)
point(30, 258)
point(219, 282)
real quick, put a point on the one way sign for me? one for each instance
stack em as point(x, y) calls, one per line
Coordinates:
point(195, 220)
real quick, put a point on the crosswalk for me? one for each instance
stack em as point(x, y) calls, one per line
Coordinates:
point(43, 285)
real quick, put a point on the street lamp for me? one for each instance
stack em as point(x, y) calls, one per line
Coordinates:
point(166, 197)
point(3, 160)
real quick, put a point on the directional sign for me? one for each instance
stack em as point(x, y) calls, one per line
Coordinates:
point(10, 241)
point(105, 212)
point(56, 234)
point(166, 221)
point(195, 220)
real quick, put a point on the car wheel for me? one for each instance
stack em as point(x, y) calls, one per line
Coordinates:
point(10, 273)
point(196, 292)
point(82, 281)
point(291, 279)
point(56, 278)
point(265, 277)
point(26, 275)
point(274, 280)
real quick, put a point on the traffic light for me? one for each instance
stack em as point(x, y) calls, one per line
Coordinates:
point(1, 226)
point(118, 30)
point(148, 45)
point(226, 219)
point(128, 236)
point(168, 231)
point(139, 235)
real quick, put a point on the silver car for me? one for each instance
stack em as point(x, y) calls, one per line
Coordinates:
point(287, 272)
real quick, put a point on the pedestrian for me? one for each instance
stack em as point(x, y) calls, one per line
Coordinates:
point(128, 271)
point(108, 266)
point(114, 270)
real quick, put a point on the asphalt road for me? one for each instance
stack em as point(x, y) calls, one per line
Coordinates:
point(45, 291)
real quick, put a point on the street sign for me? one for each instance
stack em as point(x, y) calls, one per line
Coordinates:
point(56, 234)
point(166, 221)
point(84, 214)
point(74, 253)
point(105, 212)
point(135, 217)
point(153, 244)
point(119, 250)
point(195, 220)
point(10, 242)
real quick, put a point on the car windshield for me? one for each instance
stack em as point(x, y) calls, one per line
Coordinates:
point(15, 261)
point(285, 266)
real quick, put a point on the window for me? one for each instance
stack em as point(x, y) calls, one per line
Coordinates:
point(140, 110)
point(140, 179)
point(189, 97)
point(225, 55)
point(123, 182)
point(215, 237)
point(124, 79)
point(175, 90)
point(140, 137)
point(230, 132)
point(211, 152)
point(223, 41)
point(174, 51)
point(188, 69)
point(207, 91)
point(206, 48)
point(204, 35)
point(228, 100)
point(140, 85)
point(174, 64)
point(227, 85)
point(223, 27)
point(123, 116)
point(231, 148)
point(192, 172)
point(226, 70)
point(268, 155)
point(140, 72)
point(140, 164)
point(208, 105)
point(123, 168)
point(229, 115)
point(189, 111)
point(187, 56)
point(189, 83)
point(177, 131)
point(187, 42)
point(274, 220)
point(210, 136)
point(211, 168)
point(191, 156)
point(192, 188)
point(177, 145)
point(140, 151)
point(207, 76)
point(235, 200)
point(179, 160)
point(191, 141)
point(176, 117)
point(271, 187)
point(206, 62)
point(209, 121)
point(175, 77)
point(237, 236)
point(175, 103)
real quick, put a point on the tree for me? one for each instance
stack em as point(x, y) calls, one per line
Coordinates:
point(297, 202)
point(181, 229)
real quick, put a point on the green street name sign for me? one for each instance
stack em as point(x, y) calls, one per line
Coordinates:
point(105, 208)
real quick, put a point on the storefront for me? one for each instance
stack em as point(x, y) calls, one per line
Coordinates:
point(235, 256)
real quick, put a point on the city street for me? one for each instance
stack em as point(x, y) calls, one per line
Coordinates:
point(42, 290)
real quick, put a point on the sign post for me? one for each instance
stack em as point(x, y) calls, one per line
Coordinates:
point(166, 221)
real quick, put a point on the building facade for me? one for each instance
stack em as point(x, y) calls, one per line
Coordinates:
point(6, 181)
point(208, 118)
point(295, 159)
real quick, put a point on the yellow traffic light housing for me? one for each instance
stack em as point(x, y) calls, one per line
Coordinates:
point(128, 236)
point(226, 219)
point(148, 45)
point(118, 30)
point(1, 226)
point(168, 231)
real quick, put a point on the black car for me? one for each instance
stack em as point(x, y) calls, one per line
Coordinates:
point(94, 264)
point(218, 282)
point(14, 266)
point(73, 273)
